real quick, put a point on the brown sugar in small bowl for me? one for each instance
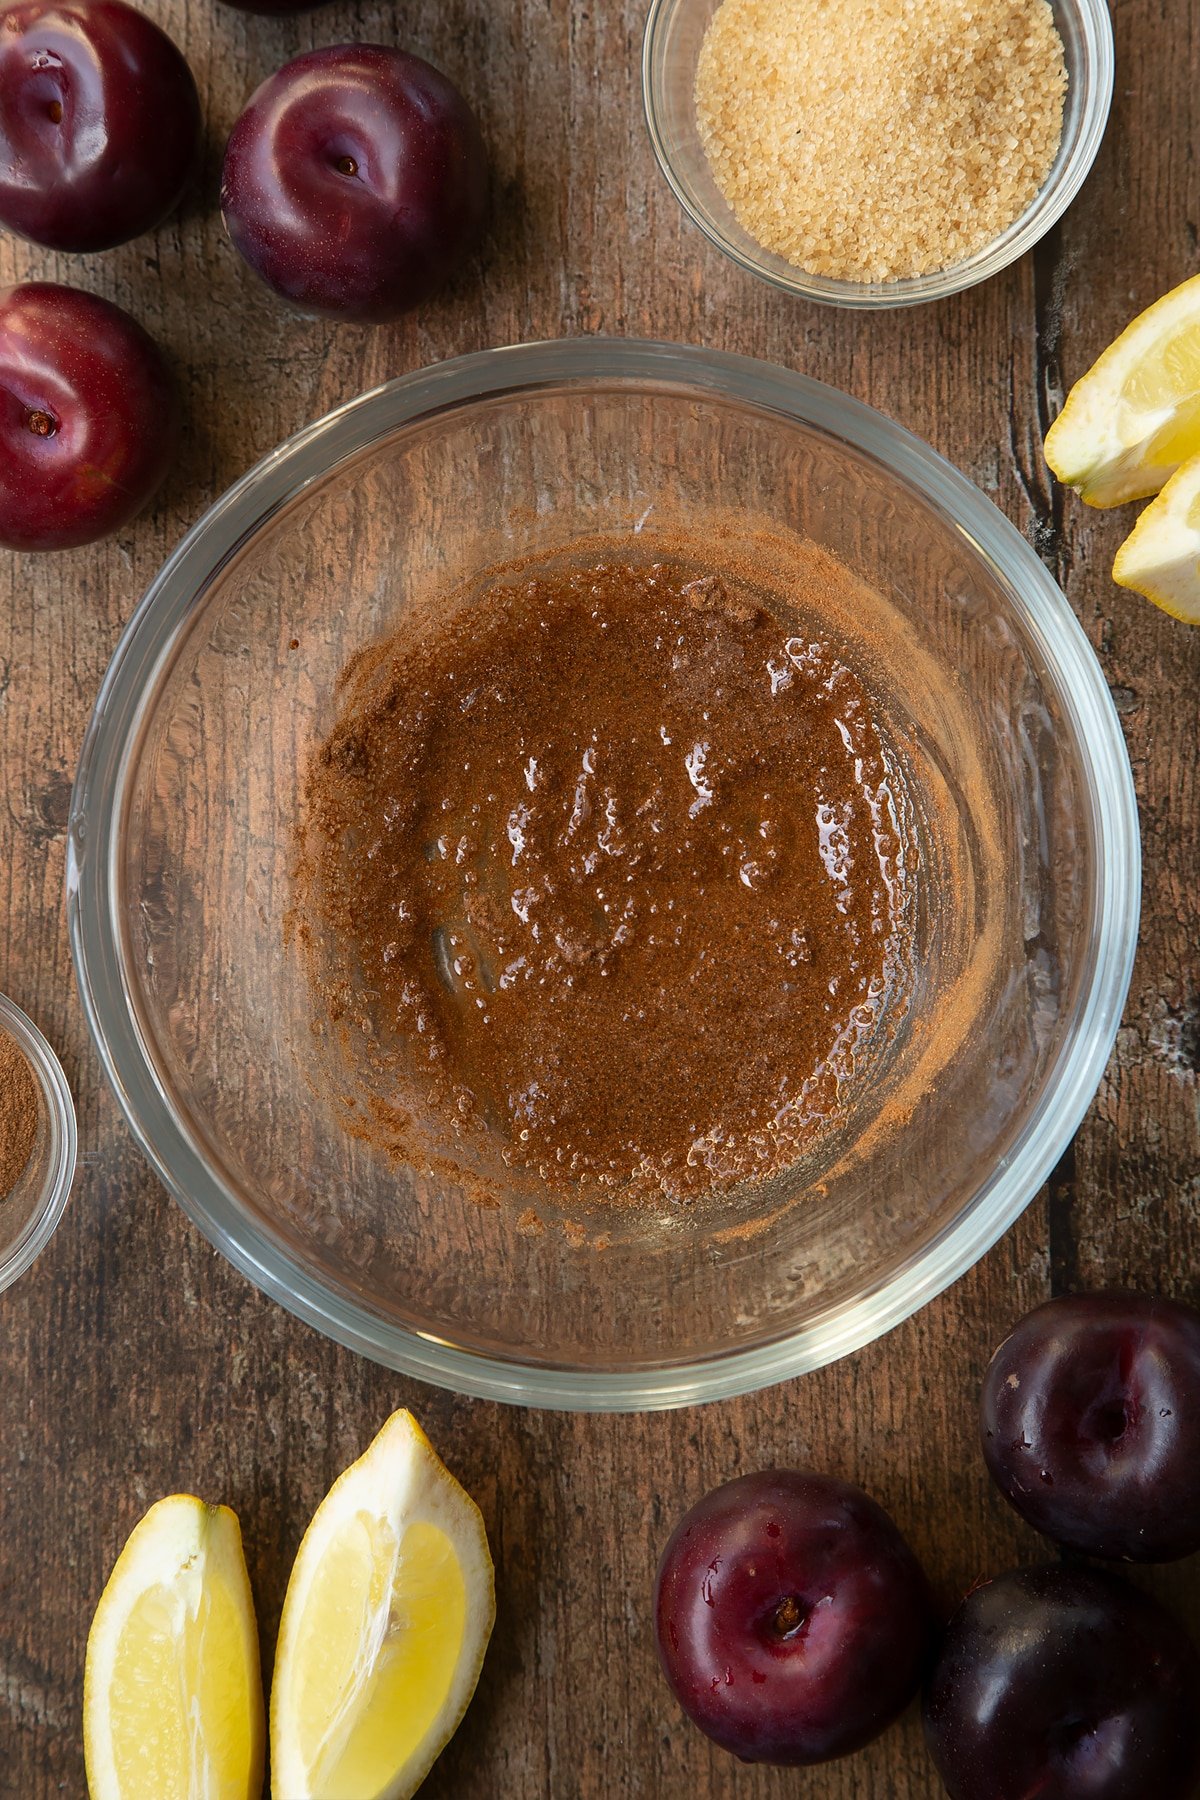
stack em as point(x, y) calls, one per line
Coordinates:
point(31, 1207)
point(675, 32)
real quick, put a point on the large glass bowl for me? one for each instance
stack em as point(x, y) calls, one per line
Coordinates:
point(181, 856)
point(670, 51)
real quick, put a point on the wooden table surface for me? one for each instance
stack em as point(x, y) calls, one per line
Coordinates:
point(134, 1361)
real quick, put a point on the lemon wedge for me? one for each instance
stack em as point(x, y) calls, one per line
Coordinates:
point(1134, 417)
point(172, 1696)
point(1161, 556)
point(386, 1619)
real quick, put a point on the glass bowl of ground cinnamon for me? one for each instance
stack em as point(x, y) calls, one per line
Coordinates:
point(603, 874)
point(882, 153)
point(37, 1142)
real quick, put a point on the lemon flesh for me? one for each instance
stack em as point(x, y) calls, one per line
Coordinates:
point(387, 1616)
point(1161, 556)
point(365, 1700)
point(1134, 418)
point(172, 1691)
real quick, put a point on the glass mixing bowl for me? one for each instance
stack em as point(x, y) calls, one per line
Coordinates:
point(670, 50)
point(181, 854)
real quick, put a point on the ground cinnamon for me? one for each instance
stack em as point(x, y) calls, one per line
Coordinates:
point(606, 882)
point(18, 1113)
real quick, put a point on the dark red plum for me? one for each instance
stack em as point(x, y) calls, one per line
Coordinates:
point(1090, 1420)
point(793, 1620)
point(89, 417)
point(99, 123)
point(1064, 1684)
point(355, 182)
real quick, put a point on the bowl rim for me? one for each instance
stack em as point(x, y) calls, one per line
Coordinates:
point(1052, 199)
point(164, 614)
point(41, 1224)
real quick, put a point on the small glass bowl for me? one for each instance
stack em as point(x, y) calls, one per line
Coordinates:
point(30, 1213)
point(674, 33)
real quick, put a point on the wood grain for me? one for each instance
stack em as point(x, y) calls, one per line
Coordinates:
point(134, 1361)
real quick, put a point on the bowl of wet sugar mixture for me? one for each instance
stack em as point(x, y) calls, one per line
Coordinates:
point(603, 874)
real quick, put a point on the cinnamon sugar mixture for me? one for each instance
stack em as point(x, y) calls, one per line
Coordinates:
point(606, 880)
